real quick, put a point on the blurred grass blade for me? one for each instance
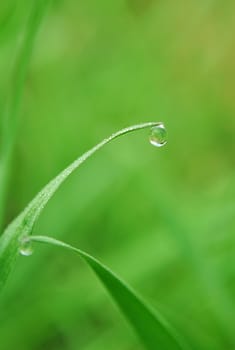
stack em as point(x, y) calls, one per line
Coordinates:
point(24, 223)
point(6, 22)
point(11, 115)
point(153, 330)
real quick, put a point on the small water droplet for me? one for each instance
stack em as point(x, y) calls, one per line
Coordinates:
point(26, 247)
point(158, 135)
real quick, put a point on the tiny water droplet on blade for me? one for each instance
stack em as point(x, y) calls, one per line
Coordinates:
point(26, 247)
point(158, 135)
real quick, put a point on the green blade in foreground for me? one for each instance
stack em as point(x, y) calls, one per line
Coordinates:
point(151, 328)
point(23, 225)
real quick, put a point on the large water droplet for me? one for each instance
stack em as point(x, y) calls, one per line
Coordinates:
point(26, 247)
point(158, 135)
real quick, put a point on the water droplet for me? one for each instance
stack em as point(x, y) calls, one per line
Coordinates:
point(26, 247)
point(158, 135)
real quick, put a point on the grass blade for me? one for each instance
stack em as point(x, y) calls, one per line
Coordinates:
point(152, 329)
point(11, 115)
point(24, 223)
point(150, 326)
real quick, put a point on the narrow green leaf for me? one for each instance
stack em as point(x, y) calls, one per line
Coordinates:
point(24, 223)
point(151, 327)
point(10, 118)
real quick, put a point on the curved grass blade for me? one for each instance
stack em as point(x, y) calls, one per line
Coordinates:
point(24, 223)
point(151, 327)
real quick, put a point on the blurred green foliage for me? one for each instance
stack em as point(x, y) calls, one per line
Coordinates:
point(162, 219)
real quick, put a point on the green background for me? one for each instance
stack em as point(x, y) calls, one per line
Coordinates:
point(162, 219)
